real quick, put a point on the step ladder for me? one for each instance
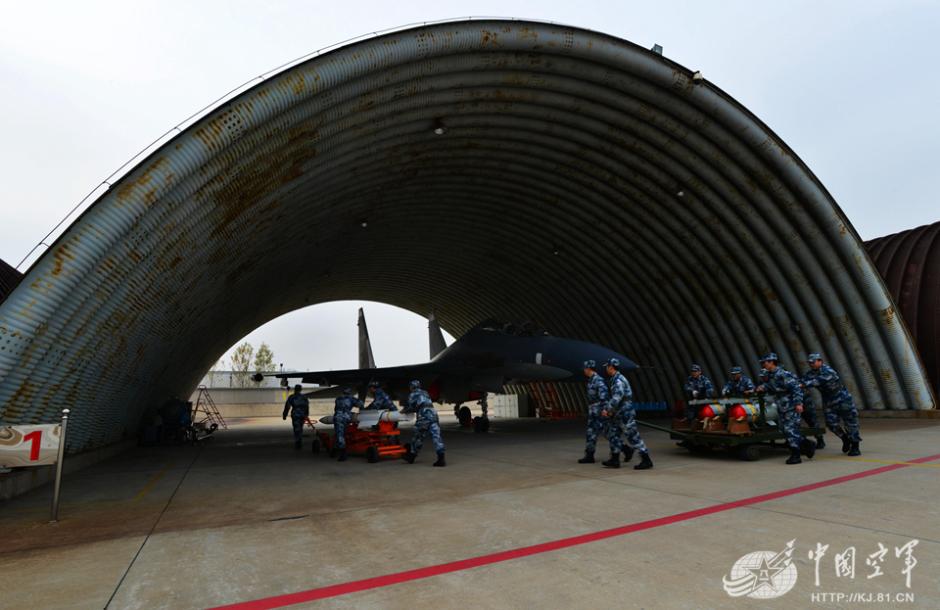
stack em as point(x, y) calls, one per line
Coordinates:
point(210, 412)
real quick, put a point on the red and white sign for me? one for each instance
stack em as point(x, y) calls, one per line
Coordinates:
point(29, 445)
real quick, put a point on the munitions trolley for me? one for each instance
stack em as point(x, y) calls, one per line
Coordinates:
point(382, 440)
point(736, 425)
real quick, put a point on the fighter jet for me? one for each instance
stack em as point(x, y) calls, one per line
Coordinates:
point(486, 359)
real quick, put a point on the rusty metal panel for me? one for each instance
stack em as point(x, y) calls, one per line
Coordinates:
point(909, 262)
point(512, 169)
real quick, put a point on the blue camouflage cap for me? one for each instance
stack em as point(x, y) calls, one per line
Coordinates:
point(813, 357)
point(590, 364)
point(770, 356)
point(695, 368)
point(347, 390)
point(614, 362)
point(736, 370)
point(415, 384)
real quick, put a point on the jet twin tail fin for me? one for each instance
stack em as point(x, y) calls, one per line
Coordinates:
point(436, 343)
point(366, 360)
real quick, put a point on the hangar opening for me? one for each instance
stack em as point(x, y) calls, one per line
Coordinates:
point(479, 169)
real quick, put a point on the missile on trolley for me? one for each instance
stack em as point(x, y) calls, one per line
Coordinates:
point(712, 409)
point(369, 417)
point(736, 409)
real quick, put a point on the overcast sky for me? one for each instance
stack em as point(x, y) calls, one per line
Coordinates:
point(850, 86)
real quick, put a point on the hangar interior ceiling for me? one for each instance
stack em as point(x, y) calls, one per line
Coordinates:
point(477, 168)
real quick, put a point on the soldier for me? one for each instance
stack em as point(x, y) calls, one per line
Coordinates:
point(342, 415)
point(622, 420)
point(426, 422)
point(739, 384)
point(299, 408)
point(597, 396)
point(380, 400)
point(698, 385)
point(809, 414)
point(785, 388)
point(838, 405)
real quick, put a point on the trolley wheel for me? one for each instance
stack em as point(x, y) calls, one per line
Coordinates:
point(749, 453)
point(315, 445)
point(372, 455)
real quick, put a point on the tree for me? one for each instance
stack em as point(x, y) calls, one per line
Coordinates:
point(264, 359)
point(241, 363)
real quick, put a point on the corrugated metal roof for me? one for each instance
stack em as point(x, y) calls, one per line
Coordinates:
point(909, 261)
point(580, 181)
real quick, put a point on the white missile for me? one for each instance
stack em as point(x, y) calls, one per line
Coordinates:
point(369, 417)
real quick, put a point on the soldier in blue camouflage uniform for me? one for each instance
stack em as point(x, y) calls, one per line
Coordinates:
point(597, 396)
point(342, 415)
point(426, 423)
point(299, 408)
point(698, 385)
point(622, 420)
point(739, 384)
point(381, 400)
point(841, 413)
point(810, 415)
point(784, 386)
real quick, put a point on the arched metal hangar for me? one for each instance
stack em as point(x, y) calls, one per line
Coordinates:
point(499, 168)
point(909, 262)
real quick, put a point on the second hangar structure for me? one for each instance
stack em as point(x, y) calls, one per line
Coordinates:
point(475, 168)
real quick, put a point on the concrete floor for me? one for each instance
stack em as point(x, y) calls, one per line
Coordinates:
point(246, 517)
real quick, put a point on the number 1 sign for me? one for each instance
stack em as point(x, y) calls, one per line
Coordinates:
point(29, 445)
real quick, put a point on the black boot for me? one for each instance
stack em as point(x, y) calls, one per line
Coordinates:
point(588, 458)
point(853, 451)
point(297, 444)
point(645, 462)
point(794, 457)
point(409, 456)
point(613, 462)
point(808, 448)
point(627, 454)
point(846, 441)
point(342, 456)
point(440, 460)
point(820, 442)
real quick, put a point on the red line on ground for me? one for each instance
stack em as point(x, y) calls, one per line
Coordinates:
point(279, 601)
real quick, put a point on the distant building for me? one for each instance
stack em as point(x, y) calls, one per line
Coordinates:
point(230, 379)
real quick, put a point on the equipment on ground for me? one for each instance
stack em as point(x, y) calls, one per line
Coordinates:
point(733, 424)
point(371, 433)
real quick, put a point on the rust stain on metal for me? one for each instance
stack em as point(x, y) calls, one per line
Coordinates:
point(60, 255)
point(488, 38)
point(127, 189)
point(887, 315)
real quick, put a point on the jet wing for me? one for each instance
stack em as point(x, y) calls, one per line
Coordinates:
point(330, 391)
point(359, 377)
